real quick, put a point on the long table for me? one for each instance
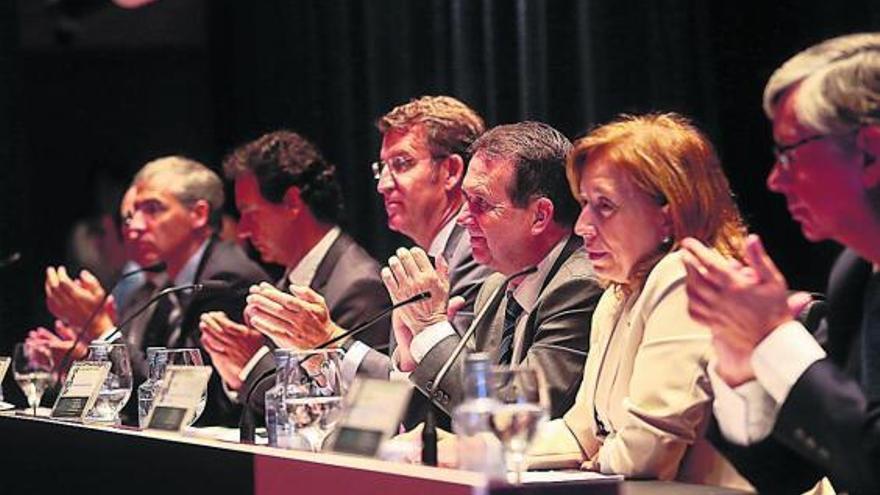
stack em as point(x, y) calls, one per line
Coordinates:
point(44, 456)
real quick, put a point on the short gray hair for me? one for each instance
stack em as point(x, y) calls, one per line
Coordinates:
point(191, 182)
point(839, 84)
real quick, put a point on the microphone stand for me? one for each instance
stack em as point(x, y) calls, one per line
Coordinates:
point(159, 295)
point(429, 432)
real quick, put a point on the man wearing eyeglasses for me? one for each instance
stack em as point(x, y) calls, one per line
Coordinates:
point(422, 163)
point(519, 212)
point(792, 410)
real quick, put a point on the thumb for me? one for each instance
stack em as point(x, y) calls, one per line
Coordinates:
point(454, 306)
point(797, 302)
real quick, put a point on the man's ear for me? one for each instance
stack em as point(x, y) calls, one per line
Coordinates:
point(453, 166)
point(542, 215)
point(200, 214)
point(868, 142)
point(292, 201)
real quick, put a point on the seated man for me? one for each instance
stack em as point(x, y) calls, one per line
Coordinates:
point(424, 149)
point(290, 205)
point(519, 212)
point(790, 411)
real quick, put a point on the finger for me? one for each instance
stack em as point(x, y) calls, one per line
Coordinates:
point(45, 334)
point(709, 263)
point(399, 272)
point(207, 322)
point(263, 303)
point(454, 305)
point(51, 278)
point(407, 261)
point(797, 302)
point(758, 259)
point(285, 299)
point(421, 259)
point(697, 276)
point(64, 331)
point(211, 344)
point(91, 283)
point(390, 283)
point(307, 294)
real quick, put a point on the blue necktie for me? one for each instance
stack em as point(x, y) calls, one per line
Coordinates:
point(871, 340)
point(511, 315)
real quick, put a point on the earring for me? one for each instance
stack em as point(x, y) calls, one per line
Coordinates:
point(666, 244)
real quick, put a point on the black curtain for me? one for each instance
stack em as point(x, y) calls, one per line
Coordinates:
point(330, 68)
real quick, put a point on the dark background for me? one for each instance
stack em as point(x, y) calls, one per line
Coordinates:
point(90, 91)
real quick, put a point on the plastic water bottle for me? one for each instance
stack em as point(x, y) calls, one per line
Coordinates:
point(147, 391)
point(478, 448)
point(277, 425)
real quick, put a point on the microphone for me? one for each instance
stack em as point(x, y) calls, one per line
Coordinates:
point(429, 432)
point(154, 268)
point(210, 285)
point(247, 423)
point(11, 259)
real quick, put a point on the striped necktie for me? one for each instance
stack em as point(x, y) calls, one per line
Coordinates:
point(512, 312)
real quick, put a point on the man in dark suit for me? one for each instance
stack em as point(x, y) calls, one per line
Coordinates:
point(519, 212)
point(424, 149)
point(176, 211)
point(791, 411)
point(290, 205)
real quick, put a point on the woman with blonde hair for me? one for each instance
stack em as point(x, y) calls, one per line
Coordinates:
point(644, 184)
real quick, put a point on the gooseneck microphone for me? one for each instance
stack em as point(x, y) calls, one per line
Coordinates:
point(429, 432)
point(154, 268)
point(247, 423)
point(208, 285)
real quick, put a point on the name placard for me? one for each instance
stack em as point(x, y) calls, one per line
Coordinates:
point(374, 410)
point(80, 390)
point(179, 396)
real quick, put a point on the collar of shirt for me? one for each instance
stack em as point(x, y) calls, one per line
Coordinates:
point(438, 244)
point(526, 293)
point(187, 274)
point(304, 271)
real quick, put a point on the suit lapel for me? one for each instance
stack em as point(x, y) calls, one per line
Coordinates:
point(325, 268)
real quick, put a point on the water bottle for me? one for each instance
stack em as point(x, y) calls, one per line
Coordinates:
point(146, 391)
point(478, 448)
point(277, 425)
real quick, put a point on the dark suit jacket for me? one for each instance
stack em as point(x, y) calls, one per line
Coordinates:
point(554, 336)
point(825, 427)
point(465, 278)
point(348, 278)
point(222, 261)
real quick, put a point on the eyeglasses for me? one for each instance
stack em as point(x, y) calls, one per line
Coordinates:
point(478, 206)
point(782, 153)
point(396, 166)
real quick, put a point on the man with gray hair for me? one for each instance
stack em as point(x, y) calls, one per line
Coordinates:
point(174, 218)
point(792, 410)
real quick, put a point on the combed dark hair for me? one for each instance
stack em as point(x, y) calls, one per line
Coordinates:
point(538, 152)
point(282, 159)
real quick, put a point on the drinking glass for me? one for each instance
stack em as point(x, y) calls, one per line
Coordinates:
point(33, 369)
point(313, 396)
point(116, 389)
point(184, 357)
point(523, 405)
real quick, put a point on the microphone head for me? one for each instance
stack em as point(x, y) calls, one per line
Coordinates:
point(212, 286)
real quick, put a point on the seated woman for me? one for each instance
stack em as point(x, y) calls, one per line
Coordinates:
point(644, 184)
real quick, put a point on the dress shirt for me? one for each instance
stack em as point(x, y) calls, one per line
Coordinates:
point(746, 414)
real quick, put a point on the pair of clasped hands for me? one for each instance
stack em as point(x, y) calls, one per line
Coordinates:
point(300, 319)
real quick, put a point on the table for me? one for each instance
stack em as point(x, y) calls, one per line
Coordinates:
point(43, 456)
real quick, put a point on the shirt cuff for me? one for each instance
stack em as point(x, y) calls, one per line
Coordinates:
point(783, 356)
point(746, 414)
point(249, 366)
point(422, 343)
point(231, 394)
point(351, 361)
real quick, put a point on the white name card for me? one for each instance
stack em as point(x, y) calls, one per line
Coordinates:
point(4, 367)
point(81, 389)
point(179, 396)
